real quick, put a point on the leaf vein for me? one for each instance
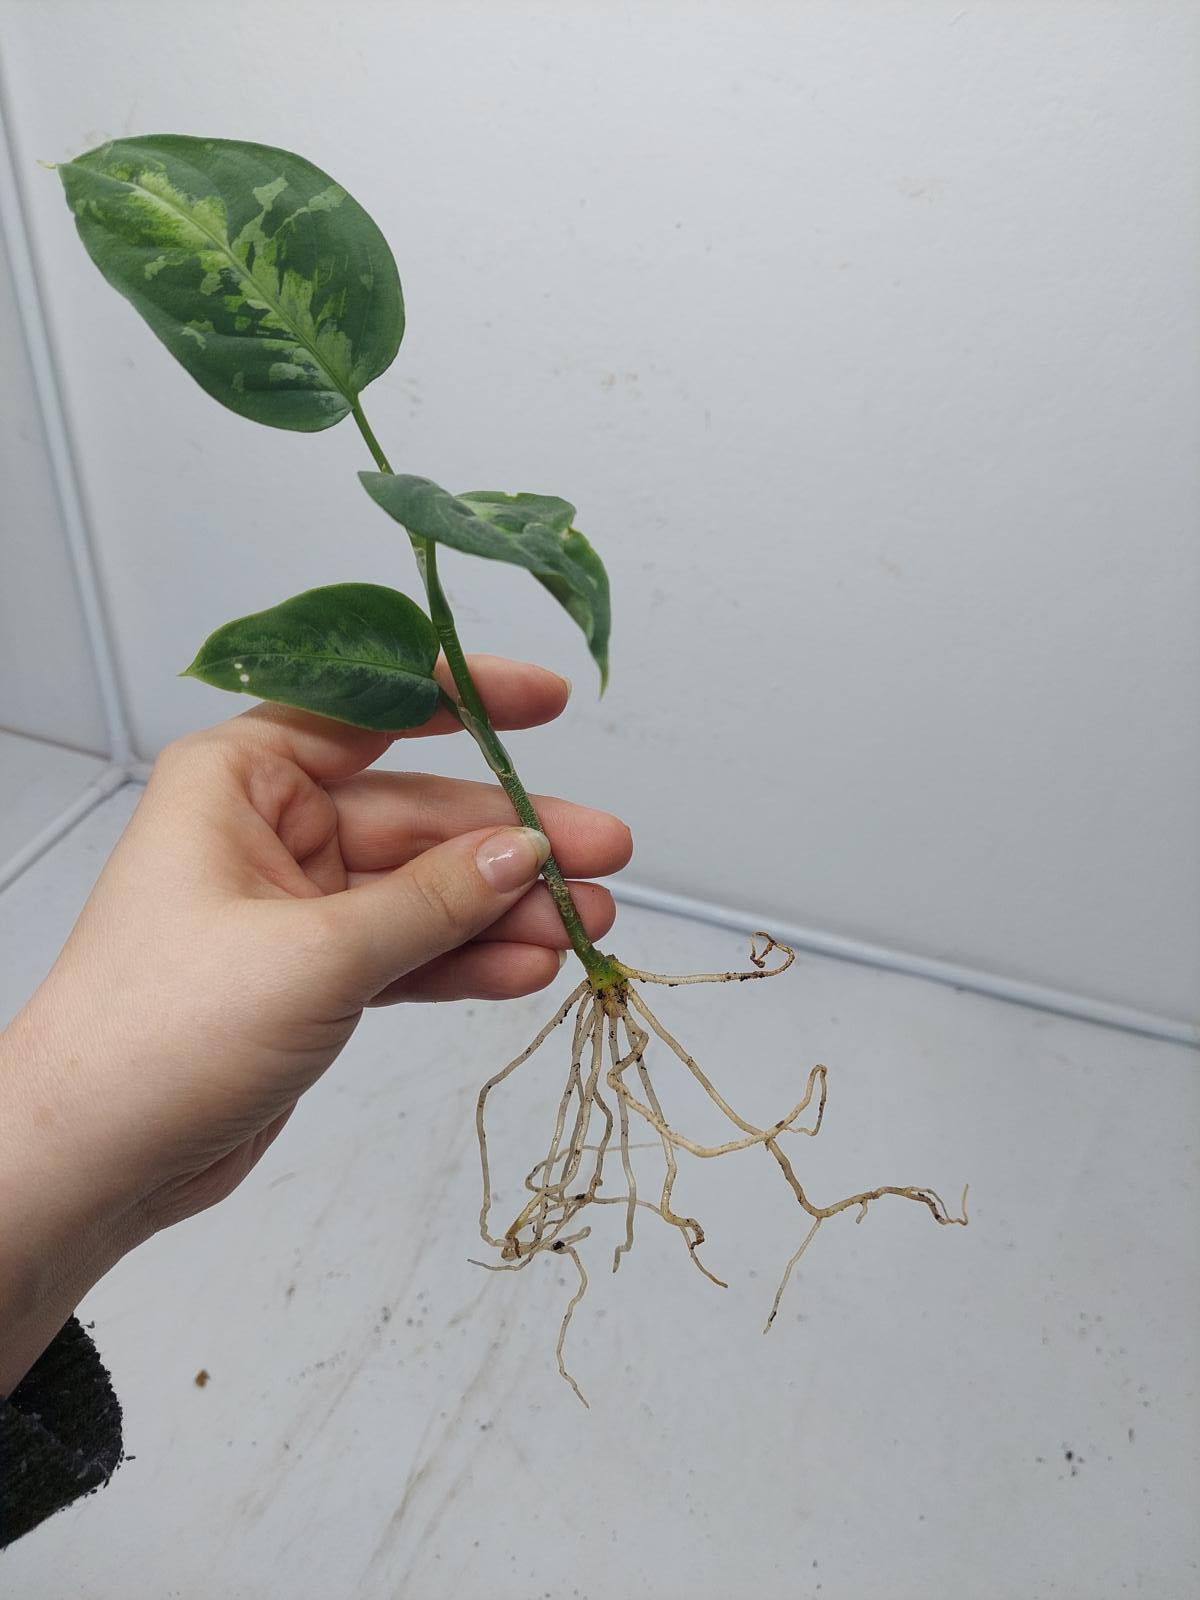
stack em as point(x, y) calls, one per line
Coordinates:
point(274, 301)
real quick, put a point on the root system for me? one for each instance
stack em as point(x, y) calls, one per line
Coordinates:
point(608, 1084)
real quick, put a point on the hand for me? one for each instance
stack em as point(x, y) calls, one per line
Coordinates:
point(266, 890)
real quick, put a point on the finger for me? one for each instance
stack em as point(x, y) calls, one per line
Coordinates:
point(378, 932)
point(478, 972)
point(516, 694)
point(534, 920)
point(263, 1141)
point(386, 818)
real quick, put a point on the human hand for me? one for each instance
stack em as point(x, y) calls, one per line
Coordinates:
point(266, 890)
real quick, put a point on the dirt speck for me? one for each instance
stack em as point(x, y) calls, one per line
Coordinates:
point(201, 1378)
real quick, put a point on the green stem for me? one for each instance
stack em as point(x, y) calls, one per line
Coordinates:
point(472, 713)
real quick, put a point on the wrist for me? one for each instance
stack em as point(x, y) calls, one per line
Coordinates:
point(59, 1234)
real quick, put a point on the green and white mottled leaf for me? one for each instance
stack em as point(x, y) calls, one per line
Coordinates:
point(259, 273)
point(353, 651)
point(527, 530)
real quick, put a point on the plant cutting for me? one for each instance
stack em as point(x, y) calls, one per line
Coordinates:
point(279, 295)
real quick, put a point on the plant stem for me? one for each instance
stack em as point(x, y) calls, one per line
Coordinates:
point(472, 713)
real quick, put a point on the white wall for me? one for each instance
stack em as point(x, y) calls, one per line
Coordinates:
point(47, 679)
point(865, 338)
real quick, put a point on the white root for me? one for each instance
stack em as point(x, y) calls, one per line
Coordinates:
point(567, 1315)
point(492, 1083)
point(758, 958)
point(787, 1272)
point(555, 1186)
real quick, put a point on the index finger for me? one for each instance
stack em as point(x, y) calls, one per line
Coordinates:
point(516, 694)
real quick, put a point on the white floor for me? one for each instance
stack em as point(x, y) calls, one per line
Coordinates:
point(37, 784)
point(1004, 1410)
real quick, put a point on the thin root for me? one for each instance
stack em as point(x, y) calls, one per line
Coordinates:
point(758, 960)
point(566, 1321)
point(787, 1272)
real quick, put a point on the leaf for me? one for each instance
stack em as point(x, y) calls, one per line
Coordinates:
point(526, 530)
point(353, 651)
point(260, 274)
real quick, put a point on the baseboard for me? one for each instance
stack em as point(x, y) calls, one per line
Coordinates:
point(816, 941)
point(103, 785)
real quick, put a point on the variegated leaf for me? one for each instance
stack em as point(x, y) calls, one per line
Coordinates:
point(527, 530)
point(353, 651)
point(259, 273)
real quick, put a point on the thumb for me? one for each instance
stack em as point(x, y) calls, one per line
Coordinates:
point(439, 900)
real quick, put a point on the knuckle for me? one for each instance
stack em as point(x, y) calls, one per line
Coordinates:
point(440, 900)
point(175, 757)
point(191, 755)
point(189, 746)
point(171, 755)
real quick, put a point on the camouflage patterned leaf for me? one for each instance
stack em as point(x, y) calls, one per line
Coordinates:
point(354, 651)
point(260, 274)
point(526, 530)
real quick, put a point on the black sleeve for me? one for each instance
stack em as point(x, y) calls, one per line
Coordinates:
point(60, 1434)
